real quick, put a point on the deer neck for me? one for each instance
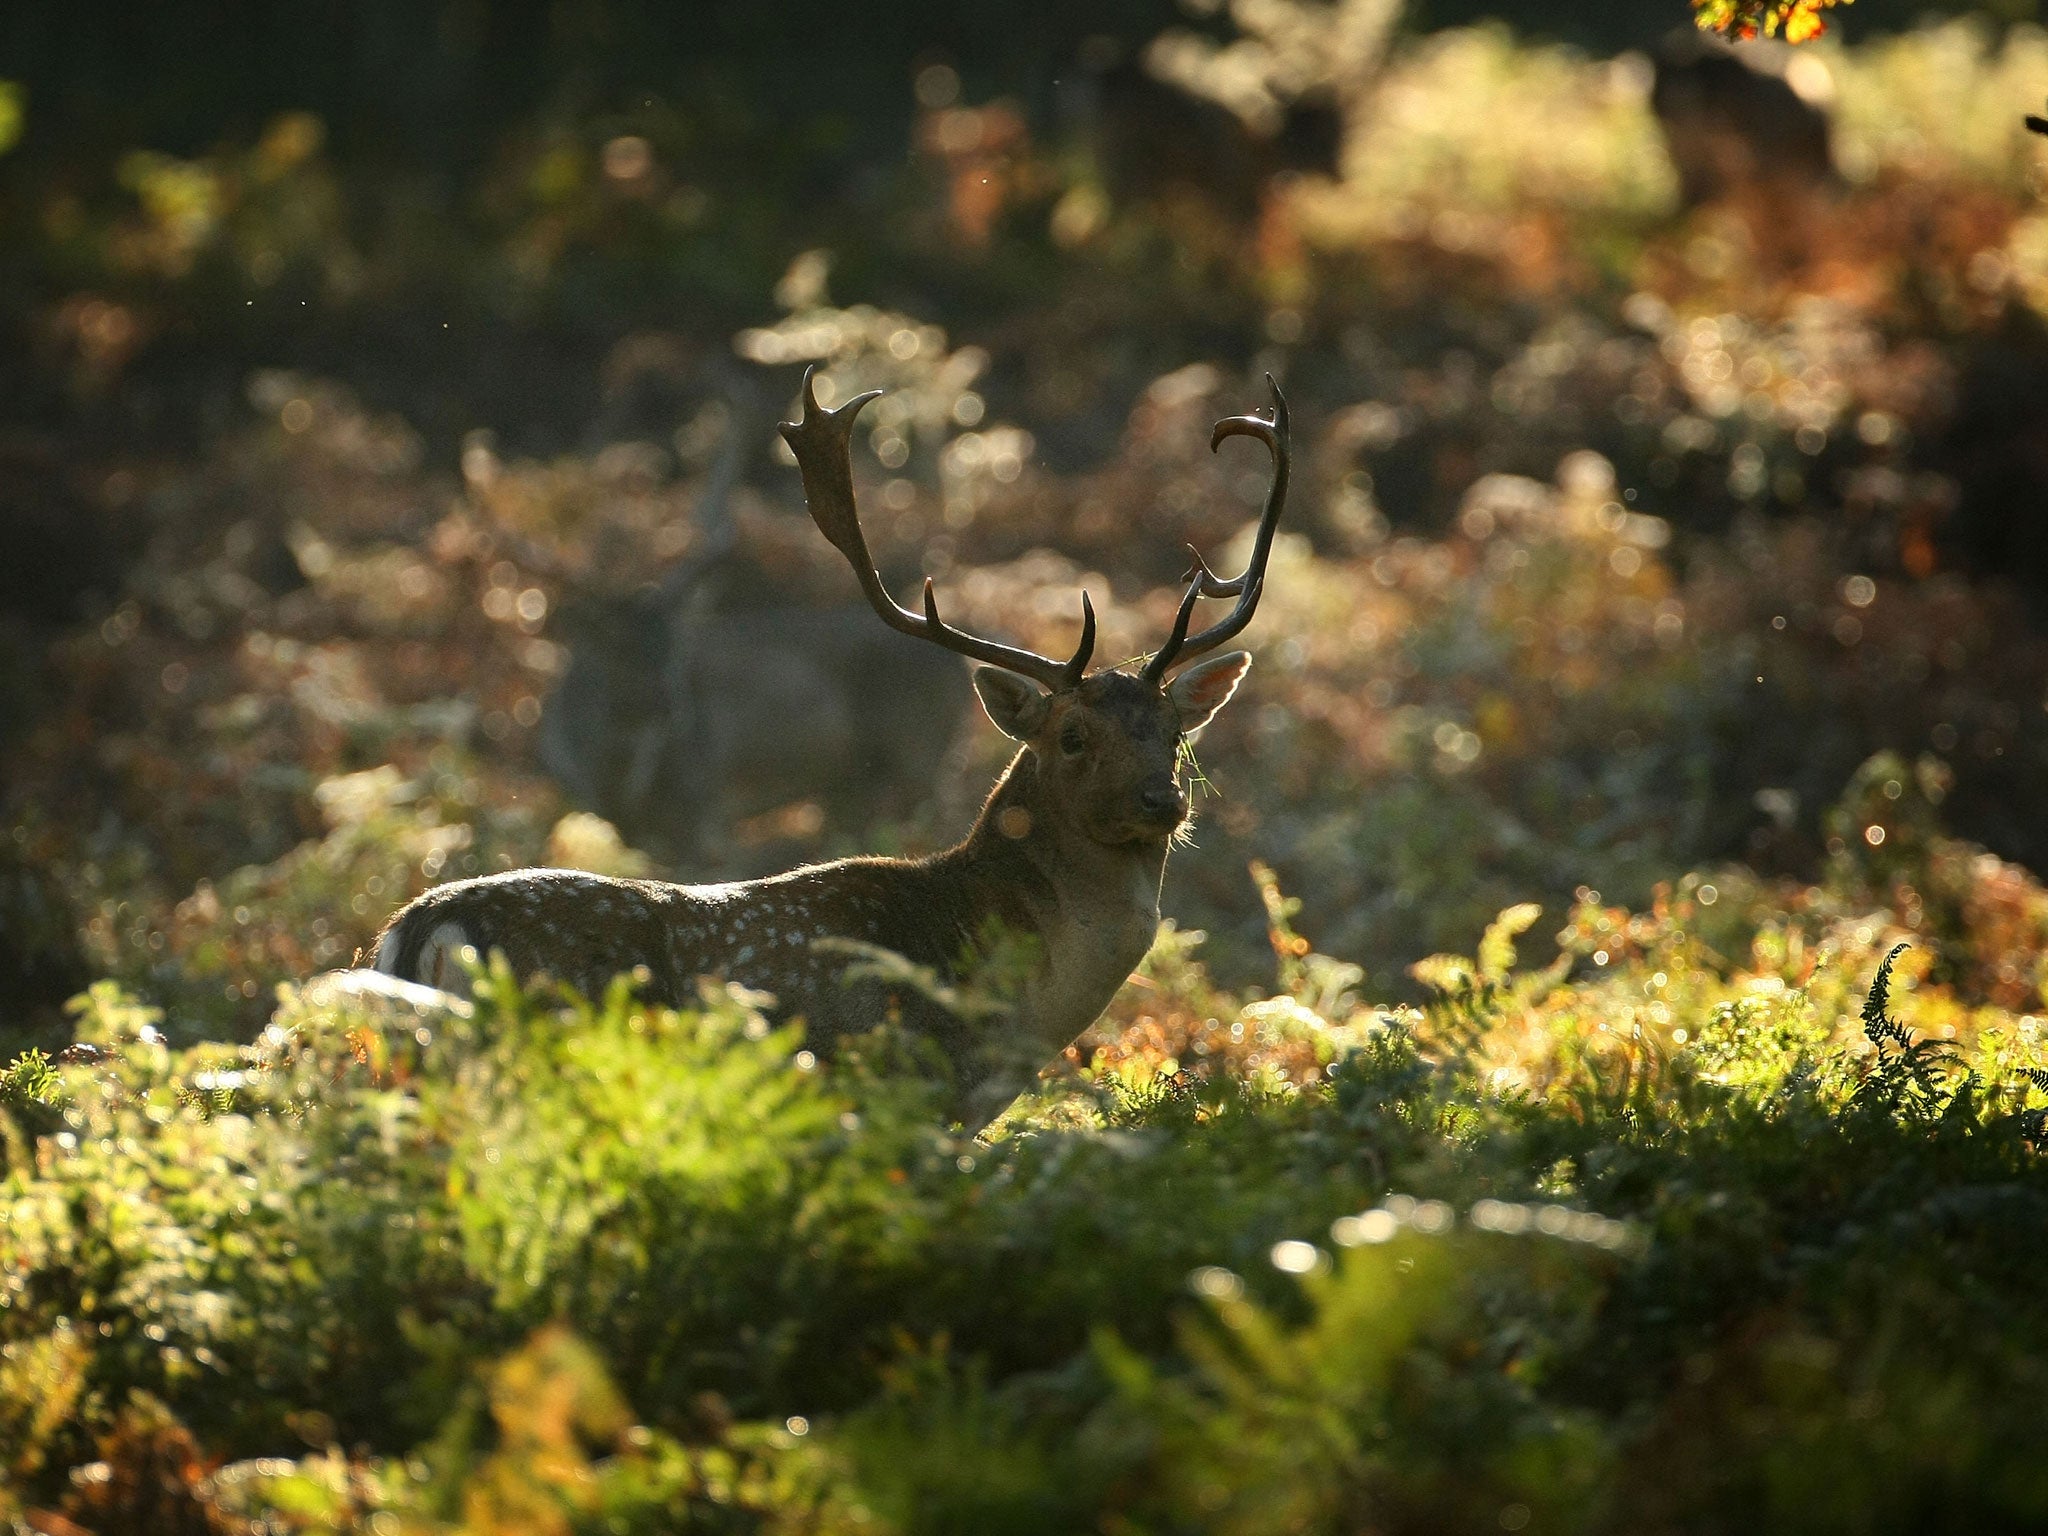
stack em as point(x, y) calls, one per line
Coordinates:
point(1091, 907)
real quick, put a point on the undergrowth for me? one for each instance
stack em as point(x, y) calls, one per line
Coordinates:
point(1643, 1237)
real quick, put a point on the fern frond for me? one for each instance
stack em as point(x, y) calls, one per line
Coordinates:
point(1878, 1025)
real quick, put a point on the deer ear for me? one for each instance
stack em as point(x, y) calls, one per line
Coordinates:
point(1200, 691)
point(1017, 705)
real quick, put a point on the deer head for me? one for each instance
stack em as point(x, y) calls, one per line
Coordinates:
point(1101, 752)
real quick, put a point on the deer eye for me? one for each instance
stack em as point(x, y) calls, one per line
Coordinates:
point(1072, 742)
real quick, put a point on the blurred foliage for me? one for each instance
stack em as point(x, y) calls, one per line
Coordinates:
point(1800, 20)
point(11, 114)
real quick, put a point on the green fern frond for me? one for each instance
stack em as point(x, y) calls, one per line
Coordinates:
point(1878, 1025)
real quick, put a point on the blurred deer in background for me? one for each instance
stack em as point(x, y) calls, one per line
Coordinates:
point(1058, 880)
point(1212, 133)
point(1745, 126)
point(677, 718)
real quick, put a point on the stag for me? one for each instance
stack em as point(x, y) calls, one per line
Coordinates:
point(1060, 874)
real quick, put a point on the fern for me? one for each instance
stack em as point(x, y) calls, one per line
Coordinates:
point(29, 1080)
point(1913, 1079)
point(2033, 1123)
point(1881, 1028)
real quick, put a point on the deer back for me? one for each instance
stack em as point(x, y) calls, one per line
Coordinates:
point(842, 947)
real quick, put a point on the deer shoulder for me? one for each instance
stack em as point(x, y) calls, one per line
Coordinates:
point(1060, 874)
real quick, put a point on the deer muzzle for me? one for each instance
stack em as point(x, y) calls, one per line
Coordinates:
point(1164, 806)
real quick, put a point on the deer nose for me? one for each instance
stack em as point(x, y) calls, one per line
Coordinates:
point(1164, 802)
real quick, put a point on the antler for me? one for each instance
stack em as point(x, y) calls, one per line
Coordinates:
point(821, 444)
point(1270, 428)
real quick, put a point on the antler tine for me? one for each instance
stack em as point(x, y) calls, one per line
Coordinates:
point(1270, 428)
point(1069, 674)
point(822, 442)
point(1155, 669)
point(1212, 584)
